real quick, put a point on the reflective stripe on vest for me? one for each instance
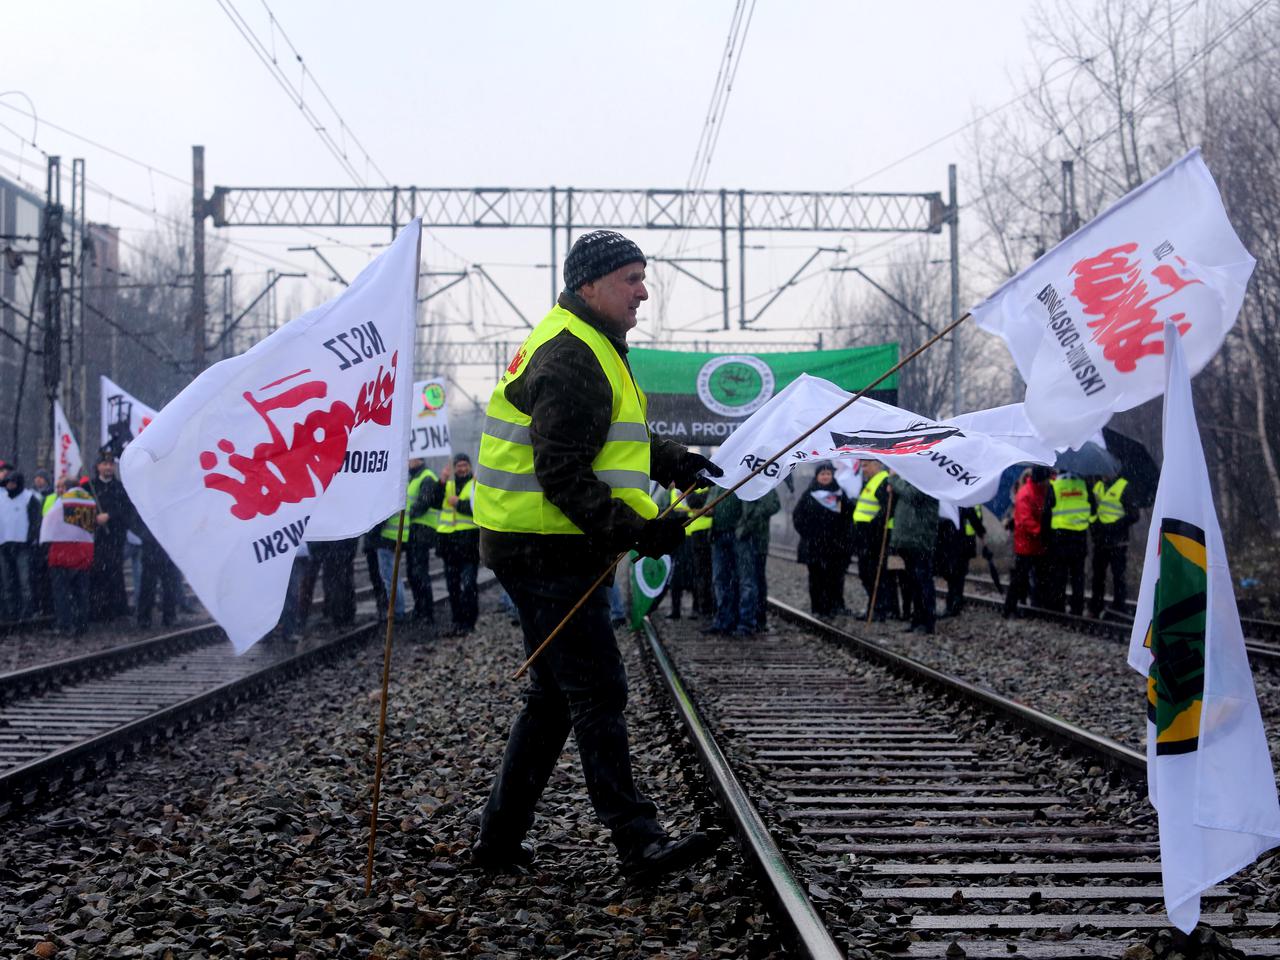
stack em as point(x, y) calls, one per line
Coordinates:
point(868, 507)
point(1110, 509)
point(508, 497)
point(432, 517)
point(700, 523)
point(451, 521)
point(968, 524)
point(1070, 504)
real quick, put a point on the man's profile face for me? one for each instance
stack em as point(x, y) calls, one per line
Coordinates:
point(617, 296)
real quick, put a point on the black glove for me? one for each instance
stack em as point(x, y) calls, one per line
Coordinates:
point(660, 536)
point(687, 474)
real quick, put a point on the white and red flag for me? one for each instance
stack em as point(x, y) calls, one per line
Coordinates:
point(123, 415)
point(1209, 772)
point(958, 460)
point(66, 452)
point(303, 437)
point(1084, 321)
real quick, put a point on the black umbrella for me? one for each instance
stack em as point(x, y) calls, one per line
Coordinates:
point(1136, 465)
point(1090, 460)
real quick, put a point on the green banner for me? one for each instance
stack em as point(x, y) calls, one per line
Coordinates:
point(700, 398)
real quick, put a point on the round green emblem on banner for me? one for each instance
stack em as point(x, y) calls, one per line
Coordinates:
point(735, 385)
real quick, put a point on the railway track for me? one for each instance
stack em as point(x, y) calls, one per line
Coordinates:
point(892, 808)
point(1262, 637)
point(62, 722)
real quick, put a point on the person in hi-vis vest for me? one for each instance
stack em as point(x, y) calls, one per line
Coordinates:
point(458, 543)
point(562, 487)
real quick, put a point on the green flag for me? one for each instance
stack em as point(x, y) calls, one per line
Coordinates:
point(699, 399)
point(649, 579)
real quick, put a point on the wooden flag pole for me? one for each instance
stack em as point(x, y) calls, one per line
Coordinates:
point(759, 468)
point(382, 712)
point(884, 542)
point(590, 590)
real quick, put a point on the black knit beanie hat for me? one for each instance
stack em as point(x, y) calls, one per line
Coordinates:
point(597, 253)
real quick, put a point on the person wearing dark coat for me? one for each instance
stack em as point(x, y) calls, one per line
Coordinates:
point(458, 543)
point(157, 571)
point(562, 479)
point(822, 518)
point(915, 531)
point(107, 596)
point(20, 514)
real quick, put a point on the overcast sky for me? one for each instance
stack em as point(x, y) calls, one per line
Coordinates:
point(583, 94)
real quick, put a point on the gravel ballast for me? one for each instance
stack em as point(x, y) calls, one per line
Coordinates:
point(249, 838)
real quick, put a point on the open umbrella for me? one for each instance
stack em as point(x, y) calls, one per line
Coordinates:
point(1136, 465)
point(1090, 460)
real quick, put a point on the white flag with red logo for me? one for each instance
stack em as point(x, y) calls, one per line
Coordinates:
point(1084, 322)
point(66, 452)
point(305, 436)
point(958, 460)
point(124, 416)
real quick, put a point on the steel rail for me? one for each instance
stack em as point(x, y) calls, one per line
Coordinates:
point(795, 910)
point(27, 784)
point(42, 676)
point(1112, 753)
point(23, 785)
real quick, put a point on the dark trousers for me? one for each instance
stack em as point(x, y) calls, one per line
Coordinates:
point(1066, 568)
point(1025, 569)
point(41, 584)
point(293, 618)
point(578, 683)
point(736, 571)
point(917, 582)
point(369, 547)
point(1113, 557)
point(158, 570)
point(956, 574)
point(464, 601)
point(15, 570)
point(886, 593)
point(107, 597)
point(826, 586)
point(70, 599)
point(336, 558)
point(424, 605)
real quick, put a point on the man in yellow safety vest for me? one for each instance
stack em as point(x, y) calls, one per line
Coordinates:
point(458, 543)
point(562, 487)
point(1069, 506)
point(1115, 514)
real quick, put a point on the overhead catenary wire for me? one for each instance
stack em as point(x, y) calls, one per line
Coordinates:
point(296, 94)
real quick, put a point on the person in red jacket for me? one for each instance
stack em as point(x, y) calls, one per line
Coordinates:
point(68, 529)
point(1030, 529)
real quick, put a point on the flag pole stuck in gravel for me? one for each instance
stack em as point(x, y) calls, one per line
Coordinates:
point(760, 467)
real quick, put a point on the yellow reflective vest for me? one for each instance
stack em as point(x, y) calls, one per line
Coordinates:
point(1110, 507)
point(508, 497)
point(969, 531)
point(701, 523)
point(1070, 504)
point(451, 521)
point(867, 507)
point(430, 519)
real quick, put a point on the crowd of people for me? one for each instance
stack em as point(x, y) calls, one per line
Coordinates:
point(79, 580)
point(903, 541)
